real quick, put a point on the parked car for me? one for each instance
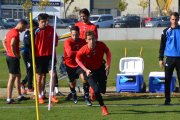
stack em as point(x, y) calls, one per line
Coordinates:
point(145, 20)
point(163, 21)
point(117, 18)
point(74, 20)
point(59, 22)
point(5, 24)
point(68, 21)
point(12, 21)
point(127, 22)
point(102, 21)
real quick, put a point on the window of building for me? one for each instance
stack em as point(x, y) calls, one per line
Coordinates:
point(13, 13)
point(6, 13)
point(104, 11)
point(10, 2)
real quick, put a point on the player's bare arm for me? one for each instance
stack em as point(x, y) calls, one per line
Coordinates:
point(4, 43)
point(13, 47)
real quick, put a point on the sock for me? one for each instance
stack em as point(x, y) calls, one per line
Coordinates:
point(42, 93)
point(20, 96)
point(39, 96)
point(8, 99)
point(52, 93)
point(86, 90)
point(99, 99)
point(56, 89)
point(72, 90)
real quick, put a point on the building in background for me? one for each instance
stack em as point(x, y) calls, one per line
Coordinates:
point(13, 8)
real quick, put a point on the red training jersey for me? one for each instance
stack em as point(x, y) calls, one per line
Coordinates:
point(83, 27)
point(44, 41)
point(13, 33)
point(92, 59)
point(70, 49)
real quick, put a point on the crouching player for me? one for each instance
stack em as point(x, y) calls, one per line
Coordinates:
point(71, 46)
point(90, 59)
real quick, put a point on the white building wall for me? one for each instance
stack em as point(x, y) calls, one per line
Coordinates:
point(59, 11)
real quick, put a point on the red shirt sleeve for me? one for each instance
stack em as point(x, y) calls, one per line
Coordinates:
point(108, 53)
point(68, 49)
point(56, 44)
point(79, 56)
point(96, 33)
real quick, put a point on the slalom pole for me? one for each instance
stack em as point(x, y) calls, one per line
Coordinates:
point(125, 52)
point(52, 64)
point(33, 64)
point(141, 51)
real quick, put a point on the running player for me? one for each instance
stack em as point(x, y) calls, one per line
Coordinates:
point(85, 25)
point(90, 59)
point(71, 46)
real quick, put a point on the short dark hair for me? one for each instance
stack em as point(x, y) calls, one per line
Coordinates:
point(42, 16)
point(75, 28)
point(47, 16)
point(23, 21)
point(89, 33)
point(84, 11)
point(174, 14)
point(35, 23)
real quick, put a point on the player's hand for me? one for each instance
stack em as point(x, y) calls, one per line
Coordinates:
point(161, 64)
point(107, 70)
point(17, 56)
point(88, 72)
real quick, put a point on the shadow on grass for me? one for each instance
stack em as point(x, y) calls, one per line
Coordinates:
point(117, 98)
point(145, 112)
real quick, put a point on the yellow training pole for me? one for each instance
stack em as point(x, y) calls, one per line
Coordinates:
point(141, 51)
point(33, 64)
point(125, 52)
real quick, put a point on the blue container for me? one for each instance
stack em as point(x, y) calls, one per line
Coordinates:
point(129, 83)
point(156, 84)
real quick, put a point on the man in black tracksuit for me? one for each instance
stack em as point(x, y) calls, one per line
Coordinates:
point(26, 54)
point(170, 48)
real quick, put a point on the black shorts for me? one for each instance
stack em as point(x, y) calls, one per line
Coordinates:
point(73, 73)
point(98, 78)
point(42, 64)
point(13, 64)
point(50, 62)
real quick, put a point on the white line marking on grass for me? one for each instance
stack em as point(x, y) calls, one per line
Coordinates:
point(69, 106)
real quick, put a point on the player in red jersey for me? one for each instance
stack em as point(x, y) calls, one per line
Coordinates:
point(90, 59)
point(55, 77)
point(11, 45)
point(43, 53)
point(71, 46)
point(85, 25)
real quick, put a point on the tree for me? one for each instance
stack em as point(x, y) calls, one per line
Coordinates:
point(26, 5)
point(76, 11)
point(144, 4)
point(122, 5)
point(43, 4)
point(68, 3)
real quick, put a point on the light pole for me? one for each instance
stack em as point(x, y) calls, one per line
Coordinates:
point(149, 8)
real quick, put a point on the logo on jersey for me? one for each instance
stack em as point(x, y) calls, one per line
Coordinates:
point(49, 35)
point(76, 47)
point(94, 52)
point(88, 56)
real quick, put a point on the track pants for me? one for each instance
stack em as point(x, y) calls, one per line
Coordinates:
point(171, 63)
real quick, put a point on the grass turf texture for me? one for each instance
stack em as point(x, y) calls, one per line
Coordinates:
point(149, 54)
point(120, 108)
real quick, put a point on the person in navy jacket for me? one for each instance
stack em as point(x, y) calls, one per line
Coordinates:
point(170, 49)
